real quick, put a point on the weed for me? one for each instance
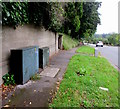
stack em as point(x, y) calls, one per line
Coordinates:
point(81, 72)
point(35, 77)
point(8, 79)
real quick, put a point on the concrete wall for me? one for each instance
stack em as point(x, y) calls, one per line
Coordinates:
point(24, 36)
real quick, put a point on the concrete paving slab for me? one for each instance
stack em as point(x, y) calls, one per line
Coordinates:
point(50, 72)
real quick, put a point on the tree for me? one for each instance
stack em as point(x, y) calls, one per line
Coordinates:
point(81, 18)
point(56, 17)
point(73, 14)
point(90, 18)
point(114, 39)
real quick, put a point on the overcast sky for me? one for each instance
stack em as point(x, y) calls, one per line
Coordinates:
point(109, 16)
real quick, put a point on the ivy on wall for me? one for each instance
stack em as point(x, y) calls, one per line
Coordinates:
point(39, 13)
point(14, 13)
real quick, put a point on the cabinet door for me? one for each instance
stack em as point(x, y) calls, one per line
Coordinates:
point(44, 58)
point(47, 57)
point(28, 64)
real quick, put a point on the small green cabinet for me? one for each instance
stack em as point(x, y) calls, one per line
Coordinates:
point(24, 63)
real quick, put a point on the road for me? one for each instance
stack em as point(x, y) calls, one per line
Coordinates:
point(111, 53)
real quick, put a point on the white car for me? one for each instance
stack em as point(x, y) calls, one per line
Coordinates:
point(99, 44)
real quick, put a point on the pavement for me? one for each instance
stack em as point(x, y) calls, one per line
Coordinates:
point(39, 93)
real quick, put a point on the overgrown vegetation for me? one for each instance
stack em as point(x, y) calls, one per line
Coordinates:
point(84, 91)
point(77, 19)
point(85, 50)
point(68, 42)
point(8, 79)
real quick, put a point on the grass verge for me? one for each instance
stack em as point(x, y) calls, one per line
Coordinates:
point(68, 42)
point(83, 90)
point(85, 50)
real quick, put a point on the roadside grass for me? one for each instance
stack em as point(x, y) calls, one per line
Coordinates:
point(68, 42)
point(85, 50)
point(83, 90)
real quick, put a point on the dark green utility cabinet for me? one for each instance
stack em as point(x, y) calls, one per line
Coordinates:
point(43, 57)
point(24, 63)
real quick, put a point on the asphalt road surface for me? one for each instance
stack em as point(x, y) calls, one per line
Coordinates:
point(111, 53)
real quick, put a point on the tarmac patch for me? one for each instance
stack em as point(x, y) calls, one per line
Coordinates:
point(50, 72)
